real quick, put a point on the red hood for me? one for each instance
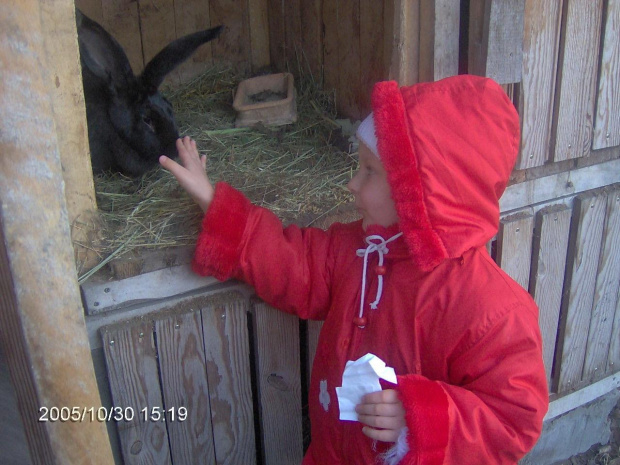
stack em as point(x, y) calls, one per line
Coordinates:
point(448, 148)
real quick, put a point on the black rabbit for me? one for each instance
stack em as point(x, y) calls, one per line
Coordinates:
point(130, 124)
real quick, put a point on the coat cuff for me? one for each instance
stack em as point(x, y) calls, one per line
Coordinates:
point(426, 414)
point(218, 247)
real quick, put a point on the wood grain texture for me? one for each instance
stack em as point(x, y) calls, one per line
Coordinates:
point(582, 265)
point(180, 350)
point(134, 382)
point(349, 58)
point(405, 44)
point(122, 20)
point(514, 246)
point(314, 330)
point(312, 38)
point(606, 293)
point(607, 122)
point(542, 24)
point(233, 45)
point(227, 351)
point(259, 33)
point(372, 65)
point(576, 88)
point(547, 275)
point(279, 384)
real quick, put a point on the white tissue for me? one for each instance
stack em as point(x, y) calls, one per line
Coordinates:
point(361, 377)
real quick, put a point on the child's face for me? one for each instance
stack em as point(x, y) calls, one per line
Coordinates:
point(372, 193)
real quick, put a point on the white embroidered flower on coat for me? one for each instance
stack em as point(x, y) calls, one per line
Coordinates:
point(324, 398)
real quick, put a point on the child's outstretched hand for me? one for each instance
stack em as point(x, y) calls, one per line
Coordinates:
point(383, 414)
point(191, 175)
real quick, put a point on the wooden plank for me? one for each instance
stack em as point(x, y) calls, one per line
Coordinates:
point(314, 330)
point(122, 20)
point(606, 294)
point(312, 38)
point(514, 246)
point(233, 45)
point(131, 362)
point(42, 330)
point(292, 33)
point(277, 39)
point(439, 39)
point(405, 65)
point(91, 8)
point(279, 384)
point(181, 355)
point(371, 52)
point(542, 21)
point(579, 287)
point(547, 277)
point(349, 69)
point(259, 33)
point(227, 350)
point(157, 26)
point(191, 16)
point(576, 88)
point(607, 122)
point(330, 46)
point(613, 360)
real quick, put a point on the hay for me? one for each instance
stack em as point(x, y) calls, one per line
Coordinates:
point(299, 171)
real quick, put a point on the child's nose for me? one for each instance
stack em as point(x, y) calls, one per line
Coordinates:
point(351, 185)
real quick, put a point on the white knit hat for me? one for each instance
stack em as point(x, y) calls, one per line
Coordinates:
point(366, 134)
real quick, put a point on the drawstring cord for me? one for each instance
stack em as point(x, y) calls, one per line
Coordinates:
point(381, 248)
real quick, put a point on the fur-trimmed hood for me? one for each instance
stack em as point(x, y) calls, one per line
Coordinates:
point(448, 148)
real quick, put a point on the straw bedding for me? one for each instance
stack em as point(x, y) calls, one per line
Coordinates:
point(299, 171)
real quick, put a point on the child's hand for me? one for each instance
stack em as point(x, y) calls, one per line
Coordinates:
point(191, 174)
point(384, 415)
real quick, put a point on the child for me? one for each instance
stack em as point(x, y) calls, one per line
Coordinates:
point(462, 337)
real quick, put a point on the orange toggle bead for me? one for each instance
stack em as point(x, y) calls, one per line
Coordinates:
point(380, 270)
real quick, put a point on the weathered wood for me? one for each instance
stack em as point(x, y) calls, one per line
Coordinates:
point(405, 45)
point(330, 45)
point(134, 383)
point(576, 88)
point(180, 350)
point(439, 39)
point(547, 276)
point(292, 33)
point(542, 21)
point(372, 66)
point(259, 33)
point(122, 20)
point(233, 45)
point(91, 8)
point(349, 58)
point(312, 38)
point(277, 38)
point(227, 350)
point(606, 294)
point(42, 329)
point(607, 121)
point(582, 264)
point(157, 26)
point(514, 246)
point(613, 360)
point(314, 330)
point(279, 384)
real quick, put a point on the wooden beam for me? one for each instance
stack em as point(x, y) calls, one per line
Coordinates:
point(42, 324)
point(496, 39)
point(405, 51)
point(439, 39)
point(67, 97)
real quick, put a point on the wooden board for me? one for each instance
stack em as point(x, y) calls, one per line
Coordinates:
point(180, 350)
point(439, 39)
point(277, 38)
point(607, 122)
point(279, 384)
point(542, 21)
point(331, 54)
point(134, 382)
point(157, 26)
point(606, 294)
point(582, 264)
point(312, 38)
point(405, 44)
point(514, 246)
point(233, 44)
point(259, 33)
point(122, 20)
point(227, 350)
point(349, 59)
point(547, 277)
point(613, 360)
point(372, 66)
point(314, 330)
point(292, 33)
point(576, 88)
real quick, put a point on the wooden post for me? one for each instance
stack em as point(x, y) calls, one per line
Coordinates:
point(439, 39)
point(405, 51)
point(43, 331)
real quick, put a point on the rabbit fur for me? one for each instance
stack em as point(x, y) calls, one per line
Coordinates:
point(130, 123)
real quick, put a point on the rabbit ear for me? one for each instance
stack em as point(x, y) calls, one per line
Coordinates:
point(102, 54)
point(172, 56)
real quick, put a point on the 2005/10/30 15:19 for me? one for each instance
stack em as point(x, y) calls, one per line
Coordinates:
point(79, 414)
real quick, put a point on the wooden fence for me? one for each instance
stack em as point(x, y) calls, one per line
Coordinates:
point(240, 368)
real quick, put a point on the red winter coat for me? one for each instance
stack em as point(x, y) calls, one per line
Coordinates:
point(462, 336)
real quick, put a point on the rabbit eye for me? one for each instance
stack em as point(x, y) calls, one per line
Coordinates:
point(148, 121)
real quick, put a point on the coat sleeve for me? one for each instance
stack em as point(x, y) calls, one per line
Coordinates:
point(492, 409)
point(288, 267)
